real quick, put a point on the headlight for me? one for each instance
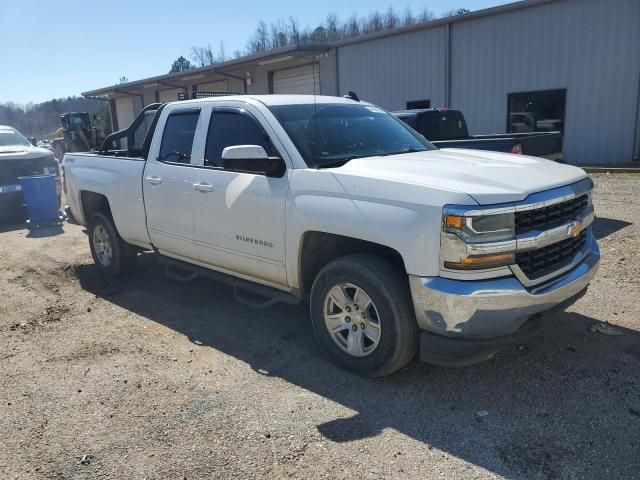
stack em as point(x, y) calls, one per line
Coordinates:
point(482, 228)
point(477, 241)
point(50, 170)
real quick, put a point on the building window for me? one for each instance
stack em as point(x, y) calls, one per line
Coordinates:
point(415, 104)
point(541, 111)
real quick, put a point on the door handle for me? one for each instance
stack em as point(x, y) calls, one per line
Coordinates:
point(154, 180)
point(203, 187)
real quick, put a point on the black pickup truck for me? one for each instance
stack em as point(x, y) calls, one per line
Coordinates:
point(448, 129)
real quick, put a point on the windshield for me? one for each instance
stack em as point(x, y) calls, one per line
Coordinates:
point(332, 134)
point(11, 138)
point(76, 123)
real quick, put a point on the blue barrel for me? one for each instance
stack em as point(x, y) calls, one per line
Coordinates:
point(41, 198)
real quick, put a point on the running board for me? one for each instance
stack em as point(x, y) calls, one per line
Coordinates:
point(249, 293)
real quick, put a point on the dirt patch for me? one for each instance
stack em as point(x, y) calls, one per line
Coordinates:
point(53, 313)
point(144, 377)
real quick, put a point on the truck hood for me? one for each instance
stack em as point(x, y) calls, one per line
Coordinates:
point(488, 177)
point(13, 152)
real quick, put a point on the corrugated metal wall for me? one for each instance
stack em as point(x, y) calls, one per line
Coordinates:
point(393, 70)
point(589, 47)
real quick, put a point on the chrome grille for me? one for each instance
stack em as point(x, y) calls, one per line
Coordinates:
point(551, 216)
point(543, 261)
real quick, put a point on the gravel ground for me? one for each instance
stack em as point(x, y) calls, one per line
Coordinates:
point(149, 378)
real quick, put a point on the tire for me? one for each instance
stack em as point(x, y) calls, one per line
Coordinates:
point(357, 344)
point(112, 255)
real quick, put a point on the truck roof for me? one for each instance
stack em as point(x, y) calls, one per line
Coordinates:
point(276, 99)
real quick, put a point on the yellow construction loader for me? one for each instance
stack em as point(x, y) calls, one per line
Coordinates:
point(76, 135)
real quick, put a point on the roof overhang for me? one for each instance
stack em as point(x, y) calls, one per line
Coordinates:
point(224, 70)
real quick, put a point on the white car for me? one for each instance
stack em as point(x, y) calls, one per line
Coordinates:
point(399, 247)
point(19, 158)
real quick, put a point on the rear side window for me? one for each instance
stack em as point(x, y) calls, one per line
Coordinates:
point(443, 127)
point(140, 133)
point(177, 138)
point(228, 129)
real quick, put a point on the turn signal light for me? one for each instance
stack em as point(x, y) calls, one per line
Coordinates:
point(453, 221)
point(485, 261)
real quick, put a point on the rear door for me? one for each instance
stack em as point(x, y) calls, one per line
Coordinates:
point(168, 182)
point(240, 217)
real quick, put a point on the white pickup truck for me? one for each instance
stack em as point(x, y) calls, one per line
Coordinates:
point(399, 247)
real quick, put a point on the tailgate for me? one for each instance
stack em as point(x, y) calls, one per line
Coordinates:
point(547, 145)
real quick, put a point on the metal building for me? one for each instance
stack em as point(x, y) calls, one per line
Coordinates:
point(572, 65)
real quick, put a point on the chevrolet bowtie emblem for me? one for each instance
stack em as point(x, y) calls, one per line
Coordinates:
point(575, 229)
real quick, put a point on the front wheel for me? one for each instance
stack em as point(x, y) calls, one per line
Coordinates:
point(111, 254)
point(363, 316)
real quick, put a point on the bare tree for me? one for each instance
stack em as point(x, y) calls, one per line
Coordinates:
point(202, 56)
point(332, 27)
point(408, 18)
point(455, 12)
point(294, 31)
point(279, 34)
point(222, 54)
point(259, 42)
point(351, 27)
point(425, 15)
point(391, 19)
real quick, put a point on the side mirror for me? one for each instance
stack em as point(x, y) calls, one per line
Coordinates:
point(33, 141)
point(252, 159)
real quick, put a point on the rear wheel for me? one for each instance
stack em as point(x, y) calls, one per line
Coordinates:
point(112, 255)
point(363, 316)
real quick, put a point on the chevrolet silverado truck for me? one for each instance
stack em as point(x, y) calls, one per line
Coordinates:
point(19, 158)
point(446, 128)
point(398, 247)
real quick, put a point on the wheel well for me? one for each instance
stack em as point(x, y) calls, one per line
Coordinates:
point(93, 203)
point(320, 248)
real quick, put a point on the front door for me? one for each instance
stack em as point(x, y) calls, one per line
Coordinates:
point(239, 217)
point(168, 185)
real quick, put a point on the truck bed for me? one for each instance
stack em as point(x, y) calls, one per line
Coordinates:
point(447, 128)
point(538, 144)
point(119, 179)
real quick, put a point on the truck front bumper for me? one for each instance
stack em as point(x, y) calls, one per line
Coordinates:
point(464, 322)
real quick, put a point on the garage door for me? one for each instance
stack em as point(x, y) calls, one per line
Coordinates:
point(304, 80)
point(219, 86)
point(169, 95)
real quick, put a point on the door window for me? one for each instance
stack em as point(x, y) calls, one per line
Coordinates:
point(177, 138)
point(228, 129)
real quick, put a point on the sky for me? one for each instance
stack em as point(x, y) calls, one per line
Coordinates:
point(52, 49)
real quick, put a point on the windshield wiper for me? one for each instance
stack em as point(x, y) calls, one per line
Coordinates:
point(342, 161)
point(407, 150)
